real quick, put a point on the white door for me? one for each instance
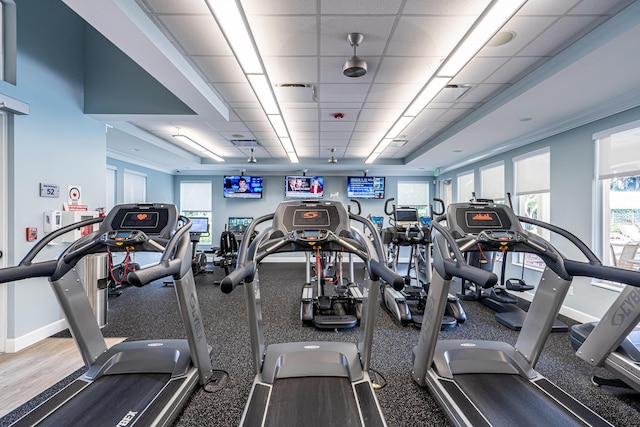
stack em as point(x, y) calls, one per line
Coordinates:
point(3, 227)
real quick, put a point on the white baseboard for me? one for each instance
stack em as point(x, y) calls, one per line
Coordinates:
point(13, 345)
point(571, 313)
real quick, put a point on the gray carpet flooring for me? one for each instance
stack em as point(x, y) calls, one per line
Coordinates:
point(152, 312)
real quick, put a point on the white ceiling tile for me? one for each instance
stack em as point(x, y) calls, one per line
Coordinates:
point(547, 7)
point(337, 126)
point(305, 136)
point(411, 69)
point(295, 127)
point(279, 7)
point(334, 30)
point(236, 92)
point(220, 69)
point(478, 69)
point(379, 115)
point(197, 34)
point(433, 36)
point(355, 7)
point(300, 37)
point(482, 92)
point(380, 127)
point(342, 92)
point(291, 69)
point(335, 136)
point(251, 114)
point(447, 7)
point(402, 93)
point(526, 29)
point(300, 115)
point(261, 126)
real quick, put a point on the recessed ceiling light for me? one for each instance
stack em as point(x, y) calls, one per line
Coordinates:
point(135, 149)
point(457, 151)
point(502, 38)
point(526, 119)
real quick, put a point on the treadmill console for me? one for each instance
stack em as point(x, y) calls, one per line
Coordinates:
point(155, 220)
point(312, 217)
point(496, 220)
point(123, 238)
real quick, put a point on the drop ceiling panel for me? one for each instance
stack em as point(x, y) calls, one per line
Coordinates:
point(284, 35)
point(562, 33)
point(176, 6)
point(401, 93)
point(379, 115)
point(220, 69)
point(342, 92)
point(334, 30)
point(337, 126)
point(236, 92)
point(291, 69)
point(355, 7)
point(428, 35)
point(280, 7)
point(479, 69)
point(449, 7)
point(406, 69)
point(198, 34)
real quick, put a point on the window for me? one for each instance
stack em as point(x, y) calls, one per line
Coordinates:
point(492, 182)
point(446, 191)
point(135, 187)
point(532, 189)
point(466, 186)
point(110, 200)
point(619, 180)
point(414, 194)
point(195, 201)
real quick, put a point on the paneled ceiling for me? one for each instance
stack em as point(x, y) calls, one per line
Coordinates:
point(568, 62)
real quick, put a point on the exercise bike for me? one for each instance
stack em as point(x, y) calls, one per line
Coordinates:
point(408, 304)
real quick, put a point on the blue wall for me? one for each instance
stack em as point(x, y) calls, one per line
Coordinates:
point(54, 144)
point(574, 201)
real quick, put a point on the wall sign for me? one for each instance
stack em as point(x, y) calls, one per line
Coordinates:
point(49, 190)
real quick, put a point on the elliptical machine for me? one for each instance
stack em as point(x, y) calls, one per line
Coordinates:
point(408, 304)
point(343, 308)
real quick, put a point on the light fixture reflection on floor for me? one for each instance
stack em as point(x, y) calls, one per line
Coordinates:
point(252, 158)
point(332, 159)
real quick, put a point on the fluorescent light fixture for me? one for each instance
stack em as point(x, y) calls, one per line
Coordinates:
point(229, 17)
point(287, 145)
point(479, 35)
point(400, 124)
point(427, 94)
point(278, 125)
point(232, 21)
point(262, 88)
point(382, 145)
point(197, 146)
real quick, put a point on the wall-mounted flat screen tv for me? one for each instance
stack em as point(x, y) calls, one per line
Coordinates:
point(365, 187)
point(304, 187)
point(243, 187)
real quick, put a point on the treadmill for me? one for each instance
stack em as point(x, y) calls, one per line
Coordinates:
point(139, 382)
point(488, 383)
point(315, 383)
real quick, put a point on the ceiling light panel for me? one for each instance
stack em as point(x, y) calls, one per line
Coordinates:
point(262, 88)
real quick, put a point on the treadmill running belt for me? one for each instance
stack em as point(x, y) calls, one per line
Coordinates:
point(510, 400)
point(313, 401)
point(108, 400)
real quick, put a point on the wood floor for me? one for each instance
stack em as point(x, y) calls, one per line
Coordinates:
point(31, 371)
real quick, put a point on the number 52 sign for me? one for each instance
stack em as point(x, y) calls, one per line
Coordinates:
point(49, 190)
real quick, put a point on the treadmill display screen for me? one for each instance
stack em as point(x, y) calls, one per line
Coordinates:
point(406, 215)
point(311, 218)
point(482, 220)
point(140, 220)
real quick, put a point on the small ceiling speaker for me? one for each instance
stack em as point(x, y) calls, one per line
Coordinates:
point(355, 66)
point(332, 159)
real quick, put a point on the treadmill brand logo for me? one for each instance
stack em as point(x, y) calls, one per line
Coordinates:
point(127, 419)
point(627, 307)
point(195, 314)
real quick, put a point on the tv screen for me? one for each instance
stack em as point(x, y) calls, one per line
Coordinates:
point(199, 225)
point(238, 224)
point(243, 187)
point(365, 187)
point(304, 187)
